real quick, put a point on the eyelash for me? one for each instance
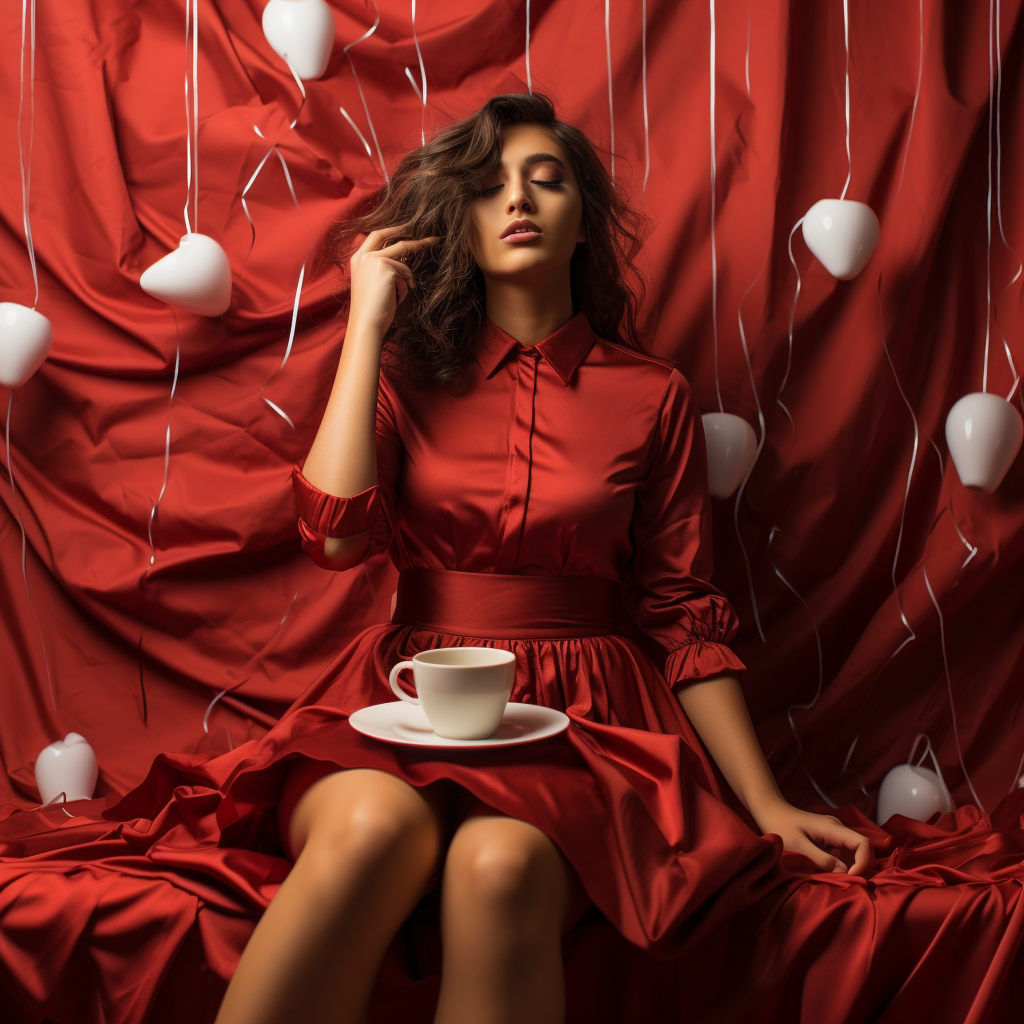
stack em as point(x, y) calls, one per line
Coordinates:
point(533, 181)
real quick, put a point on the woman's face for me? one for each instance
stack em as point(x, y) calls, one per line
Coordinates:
point(534, 183)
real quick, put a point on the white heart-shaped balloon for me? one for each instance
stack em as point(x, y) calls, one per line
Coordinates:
point(984, 434)
point(913, 791)
point(25, 340)
point(842, 233)
point(732, 447)
point(302, 31)
point(196, 276)
point(67, 766)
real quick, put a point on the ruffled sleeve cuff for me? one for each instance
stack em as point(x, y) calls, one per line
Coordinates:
point(700, 659)
point(330, 516)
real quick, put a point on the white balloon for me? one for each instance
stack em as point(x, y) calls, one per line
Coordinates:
point(732, 446)
point(842, 233)
point(302, 31)
point(67, 766)
point(25, 340)
point(196, 276)
point(984, 434)
point(913, 791)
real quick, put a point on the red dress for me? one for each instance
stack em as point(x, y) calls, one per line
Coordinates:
point(520, 500)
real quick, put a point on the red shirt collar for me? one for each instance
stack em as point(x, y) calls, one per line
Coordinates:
point(564, 350)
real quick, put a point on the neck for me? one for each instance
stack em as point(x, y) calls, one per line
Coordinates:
point(531, 310)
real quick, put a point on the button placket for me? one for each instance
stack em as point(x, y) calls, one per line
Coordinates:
point(512, 518)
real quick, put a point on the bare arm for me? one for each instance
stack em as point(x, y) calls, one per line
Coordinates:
point(343, 458)
point(718, 711)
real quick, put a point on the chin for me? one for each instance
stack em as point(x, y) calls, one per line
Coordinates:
point(527, 263)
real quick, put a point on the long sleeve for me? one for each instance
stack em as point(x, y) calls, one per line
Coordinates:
point(370, 512)
point(666, 583)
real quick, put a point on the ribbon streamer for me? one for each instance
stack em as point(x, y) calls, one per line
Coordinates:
point(821, 676)
point(355, 128)
point(846, 42)
point(746, 59)
point(988, 209)
point(302, 273)
point(949, 687)
point(999, 200)
point(972, 548)
point(252, 661)
point(760, 419)
point(24, 166)
point(714, 175)
point(24, 567)
point(529, 83)
point(302, 90)
point(192, 116)
point(792, 317)
point(928, 749)
point(608, 59)
point(910, 474)
point(423, 78)
point(853, 772)
point(366, 110)
point(643, 59)
point(167, 451)
point(62, 797)
point(917, 92)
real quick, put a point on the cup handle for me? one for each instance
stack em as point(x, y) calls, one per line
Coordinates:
point(393, 679)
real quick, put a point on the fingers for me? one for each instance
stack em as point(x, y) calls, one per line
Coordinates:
point(376, 238)
point(409, 245)
point(863, 858)
point(822, 860)
point(842, 838)
point(403, 272)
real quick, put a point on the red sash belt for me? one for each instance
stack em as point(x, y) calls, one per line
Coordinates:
point(495, 606)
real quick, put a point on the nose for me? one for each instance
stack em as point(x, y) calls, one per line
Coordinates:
point(519, 201)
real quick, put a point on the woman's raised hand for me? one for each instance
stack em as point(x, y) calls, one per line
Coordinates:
point(379, 280)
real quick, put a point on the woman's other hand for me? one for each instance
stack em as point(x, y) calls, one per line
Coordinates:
point(379, 279)
point(814, 835)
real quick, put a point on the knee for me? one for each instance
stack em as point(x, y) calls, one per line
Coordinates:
point(506, 872)
point(373, 823)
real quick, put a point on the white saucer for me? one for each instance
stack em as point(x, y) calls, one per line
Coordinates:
point(399, 722)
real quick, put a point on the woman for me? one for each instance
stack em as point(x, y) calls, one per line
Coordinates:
point(521, 448)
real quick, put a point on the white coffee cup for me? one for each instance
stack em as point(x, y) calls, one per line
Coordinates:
point(463, 690)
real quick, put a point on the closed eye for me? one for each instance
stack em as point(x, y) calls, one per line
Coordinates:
point(533, 181)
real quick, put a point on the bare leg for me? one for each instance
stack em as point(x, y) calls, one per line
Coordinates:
point(366, 844)
point(507, 896)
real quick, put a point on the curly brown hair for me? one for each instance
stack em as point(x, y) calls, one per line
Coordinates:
point(431, 337)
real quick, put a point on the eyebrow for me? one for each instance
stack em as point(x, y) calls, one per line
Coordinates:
point(537, 158)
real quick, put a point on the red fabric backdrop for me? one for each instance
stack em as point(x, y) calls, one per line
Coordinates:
point(135, 651)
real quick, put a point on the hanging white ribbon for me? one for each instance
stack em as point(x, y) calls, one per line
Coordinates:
point(192, 117)
point(274, 151)
point(24, 545)
point(999, 190)
point(608, 59)
point(252, 661)
point(949, 687)
point(821, 676)
point(366, 110)
point(643, 67)
point(792, 318)
point(846, 42)
point(714, 176)
point(25, 166)
point(529, 84)
point(422, 91)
